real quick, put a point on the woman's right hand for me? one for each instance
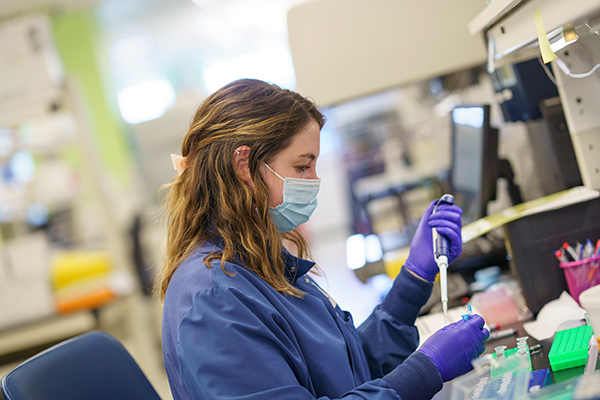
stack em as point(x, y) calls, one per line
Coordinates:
point(452, 348)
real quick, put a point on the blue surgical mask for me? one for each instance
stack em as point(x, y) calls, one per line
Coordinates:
point(299, 202)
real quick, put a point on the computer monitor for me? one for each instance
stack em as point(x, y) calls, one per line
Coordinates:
point(474, 168)
point(475, 164)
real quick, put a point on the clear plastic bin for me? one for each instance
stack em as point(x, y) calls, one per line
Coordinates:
point(501, 304)
point(581, 275)
point(477, 384)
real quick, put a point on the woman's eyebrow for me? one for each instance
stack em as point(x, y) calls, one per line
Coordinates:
point(308, 155)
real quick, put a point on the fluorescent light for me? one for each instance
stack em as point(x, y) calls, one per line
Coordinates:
point(146, 101)
point(373, 251)
point(355, 251)
point(564, 38)
point(472, 116)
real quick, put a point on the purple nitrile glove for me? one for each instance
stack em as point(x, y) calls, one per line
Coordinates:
point(454, 346)
point(447, 220)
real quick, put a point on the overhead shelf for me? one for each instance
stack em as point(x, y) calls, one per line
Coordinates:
point(492, 13)
point(345, 50)
point(512, 26)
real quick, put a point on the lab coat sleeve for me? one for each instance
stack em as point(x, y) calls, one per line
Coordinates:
point(389, 336)
point(236, 347)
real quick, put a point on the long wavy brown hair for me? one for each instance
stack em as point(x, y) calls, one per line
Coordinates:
point(210, 201)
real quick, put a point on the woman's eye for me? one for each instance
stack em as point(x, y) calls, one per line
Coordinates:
point(303, 168)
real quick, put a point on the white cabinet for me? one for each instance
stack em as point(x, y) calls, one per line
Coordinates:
point(30, 71)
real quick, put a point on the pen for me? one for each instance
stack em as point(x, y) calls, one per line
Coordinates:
point(570, 250)
point(588, 250)
point(579, 249)
point(502, 334)
point(594, 265)
point(561, 257)
point(592, 270)
point(494, 327)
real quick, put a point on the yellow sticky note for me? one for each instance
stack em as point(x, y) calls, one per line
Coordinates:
point(547, 53)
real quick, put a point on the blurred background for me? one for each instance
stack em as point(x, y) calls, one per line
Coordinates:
point(96, 94)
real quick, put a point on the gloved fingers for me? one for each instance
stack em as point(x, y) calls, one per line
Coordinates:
point(453, 235)
point(439, 223)
point(485, 334)
point(450, 216)
point(448, 207)
point(473, 349)
point(477, 320)
point(480, 348)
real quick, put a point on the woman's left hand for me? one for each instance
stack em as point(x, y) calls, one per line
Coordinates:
point(447, 221)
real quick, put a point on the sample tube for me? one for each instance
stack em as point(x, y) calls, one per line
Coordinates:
point(500, 352)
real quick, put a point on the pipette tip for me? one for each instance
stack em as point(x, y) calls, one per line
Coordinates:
point(445, 308)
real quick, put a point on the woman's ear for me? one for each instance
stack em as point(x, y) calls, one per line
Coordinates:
point(241, 159)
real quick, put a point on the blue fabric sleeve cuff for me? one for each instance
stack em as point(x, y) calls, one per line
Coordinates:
point(416, 378)
point(406, 297)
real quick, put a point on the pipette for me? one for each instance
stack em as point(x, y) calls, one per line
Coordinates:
point(440, 253)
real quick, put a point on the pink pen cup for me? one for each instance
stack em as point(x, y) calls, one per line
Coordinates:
point(581, 275)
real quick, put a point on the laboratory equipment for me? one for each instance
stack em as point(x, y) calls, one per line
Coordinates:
point(475, 164)
point(570, 348)
point(528, 85)
point(592, 358)
point(501, 305)
point(580, 97)
point(441, 252)
point(509, 361)
point(590, 300)
point(539, 379)
point(535, 349)
point(588, 387)
point(557, 391)
point(500, 352)
point(502, 334)
point(478, 384)
point(468, 316)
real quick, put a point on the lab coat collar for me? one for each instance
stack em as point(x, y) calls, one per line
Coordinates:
point(295, 267)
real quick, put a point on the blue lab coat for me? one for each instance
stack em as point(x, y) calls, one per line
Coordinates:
point(236, 337)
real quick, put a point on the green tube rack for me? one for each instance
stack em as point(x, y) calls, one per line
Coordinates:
point(570, 348)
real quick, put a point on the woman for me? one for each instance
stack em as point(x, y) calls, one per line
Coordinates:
point(242, 319)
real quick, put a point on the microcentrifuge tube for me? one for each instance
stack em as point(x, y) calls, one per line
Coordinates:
point(500, 352)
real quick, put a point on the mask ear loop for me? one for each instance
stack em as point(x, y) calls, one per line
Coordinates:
point(273, 171)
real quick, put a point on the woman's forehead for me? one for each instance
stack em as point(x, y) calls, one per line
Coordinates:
point(306, 144)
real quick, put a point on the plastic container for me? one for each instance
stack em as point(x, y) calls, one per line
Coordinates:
point(590, 300)
point(478, 385)
point(582, 275)
point(501, 304)
point(557, 391)
point(508, 362)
